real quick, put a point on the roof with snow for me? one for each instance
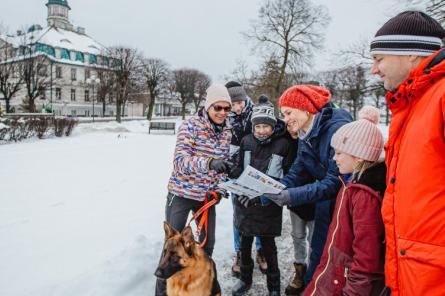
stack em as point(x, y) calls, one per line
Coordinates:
point(57, 38)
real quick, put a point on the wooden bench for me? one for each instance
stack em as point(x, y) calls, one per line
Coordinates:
point(160, 125)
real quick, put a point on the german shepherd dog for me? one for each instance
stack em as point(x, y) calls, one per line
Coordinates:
point(185, 266)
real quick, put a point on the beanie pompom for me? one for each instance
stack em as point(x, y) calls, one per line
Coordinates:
point(263, 99)
point(370, 113)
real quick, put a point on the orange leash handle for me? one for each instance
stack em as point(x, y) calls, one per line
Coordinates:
point(203, 222)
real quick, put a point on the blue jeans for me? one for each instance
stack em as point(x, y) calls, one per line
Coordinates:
point(236, 235)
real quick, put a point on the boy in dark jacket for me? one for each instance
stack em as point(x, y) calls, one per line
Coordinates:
point(270, 150)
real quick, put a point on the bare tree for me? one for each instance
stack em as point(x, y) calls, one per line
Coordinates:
point(435, 8)
point(35, 76)
point(125, 64)
point(10, 73)
point(184, 81)
point(202, 84)
point(155, 72)
point(290, 30)
point(106, 87)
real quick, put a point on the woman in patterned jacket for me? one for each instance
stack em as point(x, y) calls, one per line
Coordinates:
point(200, 164)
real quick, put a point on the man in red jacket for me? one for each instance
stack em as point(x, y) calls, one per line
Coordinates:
point(408, 57)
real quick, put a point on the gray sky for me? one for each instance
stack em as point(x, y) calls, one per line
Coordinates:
point(203, 34)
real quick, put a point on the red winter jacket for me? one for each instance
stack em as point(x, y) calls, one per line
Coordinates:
point(413, 210)
point(353, 257)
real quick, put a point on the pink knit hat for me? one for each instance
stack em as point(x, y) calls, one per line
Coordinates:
point(361, 138)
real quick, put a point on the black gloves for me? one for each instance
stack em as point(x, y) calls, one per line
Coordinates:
point(220, 165)
point(247, 202)
point(218, 195)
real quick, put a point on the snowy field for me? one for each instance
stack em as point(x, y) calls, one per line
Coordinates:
point(83, 215)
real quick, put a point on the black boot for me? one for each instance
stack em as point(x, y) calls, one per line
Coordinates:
point(245, 282)
point(273, 283)
point(241, 288)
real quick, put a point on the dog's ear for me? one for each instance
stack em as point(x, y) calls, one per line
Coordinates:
point(188, 238)
point(169, 231)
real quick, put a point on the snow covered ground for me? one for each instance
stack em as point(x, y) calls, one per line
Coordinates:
point(83, 215)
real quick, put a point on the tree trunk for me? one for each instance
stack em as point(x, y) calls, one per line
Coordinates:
point(183, 111)
point(8, 106)
point(118, 111)
point(103, 107)
point(151, 105)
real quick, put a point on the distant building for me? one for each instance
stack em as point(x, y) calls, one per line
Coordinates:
point(70, 57)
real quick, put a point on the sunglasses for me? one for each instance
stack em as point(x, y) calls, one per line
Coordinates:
point(219, 108)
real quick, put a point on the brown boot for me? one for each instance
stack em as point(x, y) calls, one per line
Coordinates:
point(236, 269)
point(261, 261)
point(296, 286)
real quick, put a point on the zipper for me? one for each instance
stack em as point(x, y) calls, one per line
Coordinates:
point(332, 239)
point(171, 200)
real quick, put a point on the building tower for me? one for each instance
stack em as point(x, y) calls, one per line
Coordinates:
point(58, 14)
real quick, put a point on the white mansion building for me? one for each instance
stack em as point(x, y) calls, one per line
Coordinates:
point(70, 58)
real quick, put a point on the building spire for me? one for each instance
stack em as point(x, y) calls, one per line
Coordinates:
point(58, 14)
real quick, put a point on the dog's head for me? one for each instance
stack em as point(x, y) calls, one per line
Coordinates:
point(178, 251)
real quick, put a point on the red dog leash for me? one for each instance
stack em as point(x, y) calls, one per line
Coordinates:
point(204, 221)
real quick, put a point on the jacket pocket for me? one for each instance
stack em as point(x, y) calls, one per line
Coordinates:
point(421, 267)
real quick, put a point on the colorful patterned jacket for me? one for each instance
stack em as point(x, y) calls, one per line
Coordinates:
point(197, 143)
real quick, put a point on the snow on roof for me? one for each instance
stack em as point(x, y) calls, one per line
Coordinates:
point(57, 37)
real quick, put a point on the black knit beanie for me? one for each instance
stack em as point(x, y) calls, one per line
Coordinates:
point(236, 91)
point(263, 112)
point(409, 33)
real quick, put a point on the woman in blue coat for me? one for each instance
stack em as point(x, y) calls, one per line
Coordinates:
point(313, 177)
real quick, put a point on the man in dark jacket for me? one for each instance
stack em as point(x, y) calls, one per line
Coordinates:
point(309, 114)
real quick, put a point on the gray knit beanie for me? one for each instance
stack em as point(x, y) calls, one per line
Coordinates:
point(236, 91)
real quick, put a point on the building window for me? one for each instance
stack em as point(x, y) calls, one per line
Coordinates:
point(73, 74)
point(105, 61)
point(58, 93)
point(87, 73)
point(73, 113)
point(80, 56)
point(73, 94)
point(58, 72)
point(87, 95)
point(92, 58)
point(65, 54)
point(42, 70)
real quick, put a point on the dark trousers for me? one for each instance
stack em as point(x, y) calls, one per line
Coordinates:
point(177, 210)
point(269, 250)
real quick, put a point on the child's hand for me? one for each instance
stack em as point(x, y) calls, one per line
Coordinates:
point(247, 202)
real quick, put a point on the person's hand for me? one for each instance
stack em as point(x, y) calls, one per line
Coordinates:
point(281, 199)
point(218, 195)
point(220, 165)
point(248, 202)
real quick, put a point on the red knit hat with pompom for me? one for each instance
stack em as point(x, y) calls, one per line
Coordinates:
point(306, 97)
